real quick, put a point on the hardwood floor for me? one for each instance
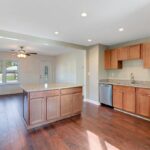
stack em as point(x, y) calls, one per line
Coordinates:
point(98, 128)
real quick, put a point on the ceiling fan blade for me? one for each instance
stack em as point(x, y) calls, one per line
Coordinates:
point(27, 54)
point(32, 53)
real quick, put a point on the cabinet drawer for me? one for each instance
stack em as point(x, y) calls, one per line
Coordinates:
point(36, 95)
point(52, 93)
point(71, 90)
point(128, 89)
point(143, 91)
point(118, 88)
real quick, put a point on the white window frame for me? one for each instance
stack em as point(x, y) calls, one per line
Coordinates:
point(4, 82)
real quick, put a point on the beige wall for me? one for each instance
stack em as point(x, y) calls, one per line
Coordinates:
point(29, 71)
point(92, 72)
point(70, 67)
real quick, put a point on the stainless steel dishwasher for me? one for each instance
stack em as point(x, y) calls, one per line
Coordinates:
point(106, 94)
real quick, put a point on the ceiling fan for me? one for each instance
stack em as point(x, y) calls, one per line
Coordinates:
point(21, 53)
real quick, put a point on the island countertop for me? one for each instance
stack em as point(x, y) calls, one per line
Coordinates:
point(47, 86)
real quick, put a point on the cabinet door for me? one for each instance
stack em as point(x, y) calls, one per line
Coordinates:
point(114, 59)
point(135, 52)
point(143, 105)
point(115, 64)
point(53, 107)
point(37, 110)
point(107, 59)
point(66, 105)
point(129, 99)
point(123, 53)
point(117, 97)
point(146, 54)
point(77, 103)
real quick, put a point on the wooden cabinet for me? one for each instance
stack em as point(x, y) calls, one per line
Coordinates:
point(53, 107)
point(134, 52)
point(66, 105)
point(37, 110)
point(143, 102)
point(77, 103)
point(107, 60)
point(124, 98)
point(118, 97)
point(111, 60)
point(43, 107)
point(129, 99)
point(146, 54)
point(114, 58)
point(123, 53)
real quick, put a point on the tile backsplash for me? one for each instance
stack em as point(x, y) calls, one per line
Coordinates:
point(131, 66)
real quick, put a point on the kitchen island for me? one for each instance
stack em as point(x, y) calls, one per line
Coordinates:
point(47, 103)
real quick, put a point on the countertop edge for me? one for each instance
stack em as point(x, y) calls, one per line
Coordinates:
point(49, 89)
point(130, 85)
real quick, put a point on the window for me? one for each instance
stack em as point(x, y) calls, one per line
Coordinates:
point(1, 74)
point(8, 72)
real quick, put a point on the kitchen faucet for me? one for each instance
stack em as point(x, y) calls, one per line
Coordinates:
point(132, 78)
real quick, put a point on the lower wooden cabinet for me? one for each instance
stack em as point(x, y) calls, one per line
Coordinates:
point(41, 108)
point(53, 107)
point(77, 103)
point(117, 97)
point(124, 98)
point(37, 110)
point(143, 102)
point(66, 105)
point(130, 99)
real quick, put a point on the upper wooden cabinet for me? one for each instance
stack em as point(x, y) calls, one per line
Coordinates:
point(134, 52)
point(130, 52)
point(114, 58)
point(111, 59)
point(146, 54)
point(107, 58)
point(123, 53)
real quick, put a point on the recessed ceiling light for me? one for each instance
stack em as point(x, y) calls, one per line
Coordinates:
point(84, 14)
point(56, 32)
point(89, 40)
point(121, 29)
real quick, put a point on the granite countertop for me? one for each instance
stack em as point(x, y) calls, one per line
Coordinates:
point(47, 86)
point(141, 84)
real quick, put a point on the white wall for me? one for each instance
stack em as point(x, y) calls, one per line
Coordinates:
point(70, 67)
point(131, 66)
point(29, 71)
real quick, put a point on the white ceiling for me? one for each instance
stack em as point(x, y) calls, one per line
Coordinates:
point(40, 48)
point(42, 18)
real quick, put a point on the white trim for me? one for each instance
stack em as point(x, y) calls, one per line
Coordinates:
point(137, 116)
point(92, 101)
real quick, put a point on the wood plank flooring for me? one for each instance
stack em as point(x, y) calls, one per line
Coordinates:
point(98, 128)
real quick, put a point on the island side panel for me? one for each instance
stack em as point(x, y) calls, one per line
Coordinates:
point(26, 106)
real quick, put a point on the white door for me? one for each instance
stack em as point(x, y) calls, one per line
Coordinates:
point(46, 74)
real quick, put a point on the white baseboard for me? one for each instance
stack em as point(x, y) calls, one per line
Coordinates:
point(92, 102)
point(137, 116)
